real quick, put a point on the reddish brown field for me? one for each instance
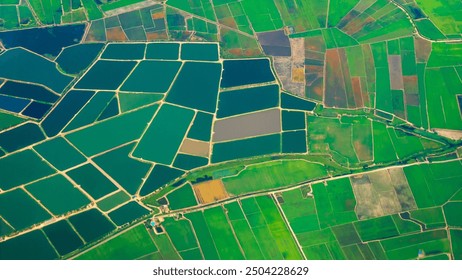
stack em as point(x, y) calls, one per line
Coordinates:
point(356, 85)
point(423, 49)
point(159, 15)
point(316, 44)
point(229, 21)
point(116, 34)
point(335, 95)
point(356, 25)
point(347, 79)
point(151, 36)
point(411, 84)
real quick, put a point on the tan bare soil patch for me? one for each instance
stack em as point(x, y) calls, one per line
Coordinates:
point(297, 48)
point(195, 147)
point(247, 125)
point(451, 134)
point(298, 75)
point(210, 191)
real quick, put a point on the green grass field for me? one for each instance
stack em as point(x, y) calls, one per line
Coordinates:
point(273, 175)
point(131, 244)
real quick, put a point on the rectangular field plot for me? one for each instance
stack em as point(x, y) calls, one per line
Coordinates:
point(21, 137)
point(227, 246)
point(112, 132)
point(377, 228)
point(205, 52)
point(247, 100)
point(131, 244)
point(23, 69)
point(106, 74)
point(160, 175)
point(196, 86)
point(163, 138)
point(63, 237)
point(201, 127)
point(441, 91)
point(431, 217)
point(113, 200)
point(284, 240)
point(248, 125)
point(210, 191)
point(162, 51)
point(251, 147)
point(246, 72)
point(203, 234)
point(324, 240)
point(124, 51)
point(29, 213)
point(335, 202)
point(152, 76)
point(407, 247)
point(166, 249)
point(58, 195)
point(300, 210)
point(181, 233)
point(348, 140)
point(433, 184)
point(244, 233)
point(128, 213)
point(92, 111)
point(91, 225)
point(127, 171)
point(30, 246)
point(456, 240)
point(92, 181)
point(59, 153)
point(182, 197)
point(63, 113)
point(382, 193)
point(22, 168)
point(273, 174)
point(273, 237)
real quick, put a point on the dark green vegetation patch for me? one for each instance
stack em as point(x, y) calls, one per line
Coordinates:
point(14, 171)
point(246, 72)
point(127, 213)
point(247, 100)
point(91, 225)
point(106, 74)
point(30, 246)
point(92, 181)
point(59, 153)
point(152, 76)
point(77, 58)
point(58, 195)
point(28, 214)
point(63, 237)
point(196, 86)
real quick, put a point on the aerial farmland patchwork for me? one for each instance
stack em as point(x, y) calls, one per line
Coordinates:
point(230, 129)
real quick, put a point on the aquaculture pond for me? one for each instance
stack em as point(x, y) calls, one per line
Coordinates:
point(52, 39)
point(246, 72)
